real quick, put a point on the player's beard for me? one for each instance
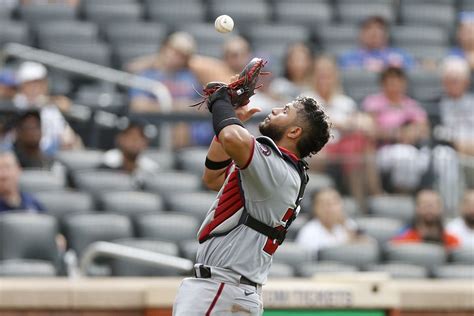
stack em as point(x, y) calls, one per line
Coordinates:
point(273, 131)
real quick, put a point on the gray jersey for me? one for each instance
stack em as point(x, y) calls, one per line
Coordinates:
point(270, 188)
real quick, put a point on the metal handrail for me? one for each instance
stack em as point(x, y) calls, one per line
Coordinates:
point(112, 250)
point(84, 68)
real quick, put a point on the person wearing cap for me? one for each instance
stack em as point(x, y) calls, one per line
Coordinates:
point(131, 142)
point(465, 37)
point(373, 53)
point(33, 93)
point(8, 85)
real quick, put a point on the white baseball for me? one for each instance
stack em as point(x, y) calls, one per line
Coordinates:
point(224, 24)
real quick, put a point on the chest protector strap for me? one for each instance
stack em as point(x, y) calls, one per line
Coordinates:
point(279, 233)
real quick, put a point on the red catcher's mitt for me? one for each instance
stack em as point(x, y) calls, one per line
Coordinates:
point(241, 89)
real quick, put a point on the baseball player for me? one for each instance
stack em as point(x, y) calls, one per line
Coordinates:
point(260, 181)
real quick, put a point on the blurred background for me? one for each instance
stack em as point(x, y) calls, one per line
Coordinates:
point(98, 142)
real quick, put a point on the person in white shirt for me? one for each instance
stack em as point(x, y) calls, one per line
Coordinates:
point(463, 226)
point(329, 227)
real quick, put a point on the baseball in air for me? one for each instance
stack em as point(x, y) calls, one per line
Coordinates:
point(224, 24)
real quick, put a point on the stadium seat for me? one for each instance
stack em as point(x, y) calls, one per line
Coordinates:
point(67, 32)
point(195, 203)
point(34, 14)
point(125, 267)
point(168, 227)
point(425, 85)
point(100, 99)
point(81, 230)
point(466, 5)
point(205, 34)
point(29, 236)
point(337, 34)
point(132, 33)
point(423, 254)
point(131, 203)
point(281, 270)
point(317, 182)
point(169, 182)
point(359, 254)
point(104, 14)
point(5, 12)
point(454, 271)
point(400, 270)
point(97, 53)
point(63, 203)
point(359, 83)
point(356, 12)
point(174, 12)
point(99, 181)
point(165, 159)
point(242, 12)
point(418, 34)
point(309, 14)
point(426, 54)
point(380, 228)
point(189, 248)
point(26, 268)
point(36, 180)
point(75, 160)
point(85, 3)
point(429, 14)
point(191, 159)
point(292, 254)
point(16, 32)
point(284, 34)
point(308, 270)
point(394, 206)
point(464, 255)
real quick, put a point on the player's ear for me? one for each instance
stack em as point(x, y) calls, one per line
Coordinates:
point(294, 132)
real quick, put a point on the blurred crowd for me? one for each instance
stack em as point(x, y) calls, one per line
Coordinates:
point(385, 143)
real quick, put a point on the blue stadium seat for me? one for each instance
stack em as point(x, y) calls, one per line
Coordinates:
point(360, 254)
point(418, 34)
point(34, 14)
point(358, 83)
point(132, 33)
point(454, 271)
point(442, 15)
point(399, 207)
point(104, 14)
point(168, 182)
point(98, 181)
point(356, 12)
point(67, 32)
point(63, 203)
point(281, 270)
point(425, 85)
point(191, 159)
point(381, 228)
point(423, 254)
point(37, 180)
point(80, 159)
point(97, 53)
point(401, 270)
point(194, 203)
point(174, 12)
point(292, 254)
point(242, 12)
point(308, 270)
point(283, 34)
point(131, 203)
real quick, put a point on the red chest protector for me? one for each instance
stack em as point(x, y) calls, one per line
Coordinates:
point(231, 211)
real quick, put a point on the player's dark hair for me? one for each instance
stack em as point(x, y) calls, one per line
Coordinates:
point(316, 130)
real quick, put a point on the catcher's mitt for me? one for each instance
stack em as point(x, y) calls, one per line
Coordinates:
point(241, 89)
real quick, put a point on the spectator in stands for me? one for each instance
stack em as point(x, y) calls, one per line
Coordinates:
point(373, 53)
point(33, 93)
point(128, 157)
point(27, 141)
point(297, 72)
point(8, 85)
point(352, 147)
point(236, 53)
point(465, 36)
point(11, 198)
point(463, 226)
point(428, 224)
point(173, 71)
point(329, 226)
point(456, 112)
point(392, 108)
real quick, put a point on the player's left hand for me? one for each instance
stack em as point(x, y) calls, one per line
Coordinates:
point(244, 113)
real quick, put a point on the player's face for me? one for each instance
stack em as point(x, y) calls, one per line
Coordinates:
point(278, 121)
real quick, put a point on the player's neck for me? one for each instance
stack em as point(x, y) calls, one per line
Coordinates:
point(290, 146)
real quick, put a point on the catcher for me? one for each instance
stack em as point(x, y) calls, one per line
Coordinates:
point(261, 181)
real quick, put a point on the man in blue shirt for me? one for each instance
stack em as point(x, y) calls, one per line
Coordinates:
point(11, 198)
point(373, 53)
